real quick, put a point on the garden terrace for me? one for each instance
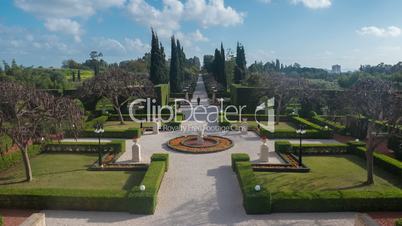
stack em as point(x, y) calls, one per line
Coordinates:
point(63, 181)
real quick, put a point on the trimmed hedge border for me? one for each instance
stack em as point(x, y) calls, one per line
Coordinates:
point(333, 125)
point(254, 202)
point(144, 202)
point(15, 157)
point(320, 201)
point(135, 201)
point(117, 134)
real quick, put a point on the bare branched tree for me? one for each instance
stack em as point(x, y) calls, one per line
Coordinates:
point(376, 100)
point(28, 115)
point(118, 87)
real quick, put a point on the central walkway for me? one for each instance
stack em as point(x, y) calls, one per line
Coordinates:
point(197, 189)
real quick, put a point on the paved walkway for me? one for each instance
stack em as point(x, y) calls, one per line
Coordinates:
point(198, 189)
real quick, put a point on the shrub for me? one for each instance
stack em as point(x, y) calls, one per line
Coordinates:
point(161, 157)
point(239, 157)
point(309, 125)
point(332, 201)
point(1, 221)
point(125, 134)
point(321, 148)
point(398, 222)
point(254, 202)
point(333, 125)
point(144, 202)
point(92, 123)
point(389, 164)
point(281, 134)
point(283, 146)
point(8, 160)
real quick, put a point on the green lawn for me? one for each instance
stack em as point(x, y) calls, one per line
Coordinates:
point(330, 173)
point(69, 171)
point(115, 125)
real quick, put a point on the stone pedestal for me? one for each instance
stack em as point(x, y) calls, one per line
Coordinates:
point(264, 153)
point(156, 127)
point(244, 128)
point(136, 152)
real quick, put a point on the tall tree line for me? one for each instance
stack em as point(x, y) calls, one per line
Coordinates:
point(241, 64)
point(158, 68)
point(177, 65)
point(219, 70)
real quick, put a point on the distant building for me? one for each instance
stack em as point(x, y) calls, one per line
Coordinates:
point(336, 69)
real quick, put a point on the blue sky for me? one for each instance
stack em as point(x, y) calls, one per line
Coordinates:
point(315, 33)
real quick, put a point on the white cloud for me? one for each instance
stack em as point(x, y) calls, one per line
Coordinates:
point(212, 13)
point(314, 4)
point(167, 21)
point(391, 31)
point(66, 26)
point(188, 39)
point(62, 12)
point(136, 45)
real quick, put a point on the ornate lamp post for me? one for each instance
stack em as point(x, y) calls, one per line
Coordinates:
point(300, 131)
point(99, 130)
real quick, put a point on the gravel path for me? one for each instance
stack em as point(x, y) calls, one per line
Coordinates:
point(198, 189)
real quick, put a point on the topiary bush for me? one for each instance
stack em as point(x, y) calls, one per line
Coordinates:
point(161, 157)
point(239, 157)
point(283, 146)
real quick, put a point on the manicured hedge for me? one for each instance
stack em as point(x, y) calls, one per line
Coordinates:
point(336, 201)
point(395, 144)
point(144, 202)
point(8, 160)
point(333, 125)
point(239, 157)
point(389, 164)
point(291, 134)
point(82, 147)
point(115, 117)
point(335, 148)
point(254, 202)
point(119, 134)
point(283, 146)
point(161, 157)
point(135, 201)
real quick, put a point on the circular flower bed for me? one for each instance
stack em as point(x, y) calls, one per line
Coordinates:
point(189, 144)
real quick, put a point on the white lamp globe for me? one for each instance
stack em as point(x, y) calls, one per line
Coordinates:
point(142, 187)
point(257, 188)
point(357, 140)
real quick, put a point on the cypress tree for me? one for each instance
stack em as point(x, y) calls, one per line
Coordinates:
point(174, 67)
point(73, 75)
point(79, 75)
point(162, 76)
point(154, 58)
point(216, 63)
point(158, 67)
point(222, 70)
point(240, 68)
